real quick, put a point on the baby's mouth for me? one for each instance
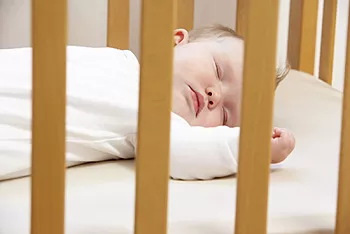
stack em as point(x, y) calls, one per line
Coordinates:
point(198, 101)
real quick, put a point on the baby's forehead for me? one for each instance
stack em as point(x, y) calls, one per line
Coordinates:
point(226, 47)
point(225, 44)
point(220, 39)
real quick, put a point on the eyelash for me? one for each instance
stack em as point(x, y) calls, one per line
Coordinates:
point(218, 71)
point(218, 74)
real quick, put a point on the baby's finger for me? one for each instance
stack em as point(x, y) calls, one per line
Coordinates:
point(280, 130)
point(277, 132)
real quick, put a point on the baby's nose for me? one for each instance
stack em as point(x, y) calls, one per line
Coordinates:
point(214, 97)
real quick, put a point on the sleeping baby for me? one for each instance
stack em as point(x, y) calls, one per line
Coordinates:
point(102, 106)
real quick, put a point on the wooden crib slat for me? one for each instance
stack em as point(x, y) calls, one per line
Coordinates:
point(327, 40)
point(49, 33)
point(152, 160)
point(302, 34)
point(343, 202)
point(184, 14)
point(241, 15)
point(256, 116)
point(118, 24)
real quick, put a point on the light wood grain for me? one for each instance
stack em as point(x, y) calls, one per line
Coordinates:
point(343, 202)
point(302, 35)
point(118, 24)
point(257, 113)
point(327, 40)
point(49, 36)
point(152, 160)
point(241, 17)
point(184, 14)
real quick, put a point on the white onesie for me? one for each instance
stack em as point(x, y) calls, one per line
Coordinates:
point(102, 108)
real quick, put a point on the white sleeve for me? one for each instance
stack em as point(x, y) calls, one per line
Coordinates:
point(202, 153)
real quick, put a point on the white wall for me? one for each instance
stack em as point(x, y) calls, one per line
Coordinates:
point(88, 18)
point(87, 22)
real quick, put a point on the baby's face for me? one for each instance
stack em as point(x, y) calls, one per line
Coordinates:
point(208, 80)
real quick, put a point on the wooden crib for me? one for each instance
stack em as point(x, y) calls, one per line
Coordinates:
point(257, 22)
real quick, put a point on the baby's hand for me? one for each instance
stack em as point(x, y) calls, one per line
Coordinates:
point(283, 143)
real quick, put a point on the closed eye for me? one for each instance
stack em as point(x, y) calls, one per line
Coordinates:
point(218, 70)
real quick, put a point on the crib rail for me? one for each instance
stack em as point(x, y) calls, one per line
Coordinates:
point(343, 202)
point(49, 34)
point(184, 14)
point(152, 161)
point(327, 40)
point(241, 16)
point(302, 34)
point(256, 117)
point(118, 24)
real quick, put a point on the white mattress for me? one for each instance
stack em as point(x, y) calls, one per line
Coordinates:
point(100, 197)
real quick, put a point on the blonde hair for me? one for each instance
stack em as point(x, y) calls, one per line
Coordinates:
point(219, 31)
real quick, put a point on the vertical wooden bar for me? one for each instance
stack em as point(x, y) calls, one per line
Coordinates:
point(343, 202)
point(152, 161)
point(257, 113)
point(294, 33)
point(184, 14)
point(49, 33)
point(302, 34)
point(241, 17)
point(118, 24)
point(327, 40)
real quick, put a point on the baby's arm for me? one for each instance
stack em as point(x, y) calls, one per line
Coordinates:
point(203, 153)
point(198, 152)
point(207, 153)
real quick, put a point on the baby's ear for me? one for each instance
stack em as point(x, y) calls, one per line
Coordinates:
point(180, 36)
